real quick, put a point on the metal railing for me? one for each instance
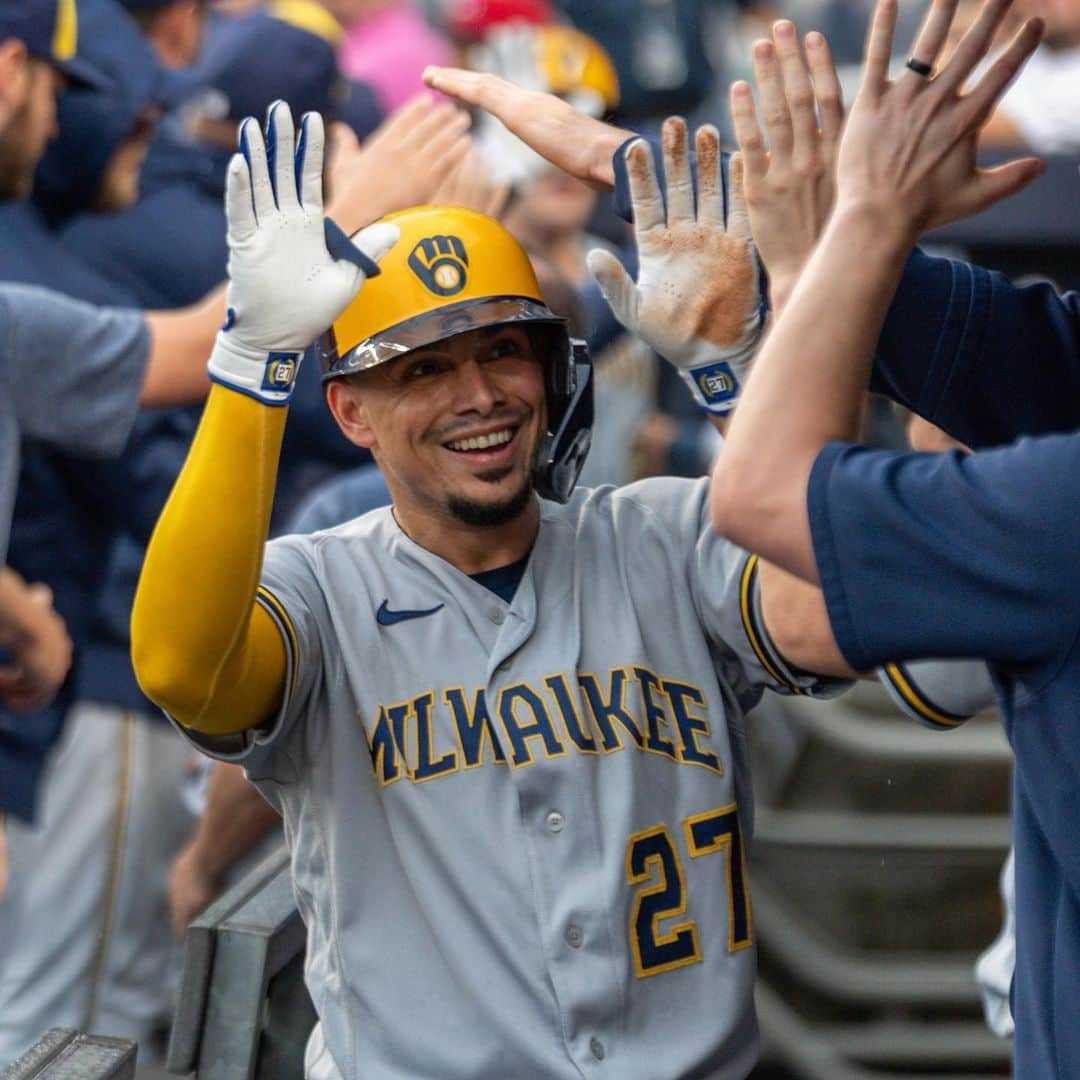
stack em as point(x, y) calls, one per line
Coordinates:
point(66, 1054)
point(243, 1011)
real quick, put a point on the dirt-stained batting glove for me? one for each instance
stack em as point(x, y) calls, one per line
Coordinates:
point(291, 271)
point(697, 300)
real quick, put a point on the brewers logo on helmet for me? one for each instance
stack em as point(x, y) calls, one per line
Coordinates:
point(455, 270)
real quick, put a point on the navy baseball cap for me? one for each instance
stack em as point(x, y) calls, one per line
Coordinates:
point(285, 50)
point(93, 123)
point(50, 31)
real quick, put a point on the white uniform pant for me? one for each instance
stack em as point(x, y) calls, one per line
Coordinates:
point(85, 940)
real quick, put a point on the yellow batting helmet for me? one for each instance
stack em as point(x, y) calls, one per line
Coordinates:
point(455, 270)
point(576, 67)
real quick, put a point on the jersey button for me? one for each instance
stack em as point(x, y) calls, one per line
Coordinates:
point(597, 1048)
point(504, 666)
point(574, 937)
point(497, 616)
point(555, 821)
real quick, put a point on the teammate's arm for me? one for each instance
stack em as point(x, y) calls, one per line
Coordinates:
point(235, 819)
point(906, 162)
point(571, 140)
point(201, 648)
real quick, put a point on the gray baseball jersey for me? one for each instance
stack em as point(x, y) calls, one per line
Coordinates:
point(519, 830)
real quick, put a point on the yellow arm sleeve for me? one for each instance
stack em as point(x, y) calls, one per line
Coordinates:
point(201, 647)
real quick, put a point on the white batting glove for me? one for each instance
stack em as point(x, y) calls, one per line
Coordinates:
point(512, 53)
point(291, 272)
point(697, 301)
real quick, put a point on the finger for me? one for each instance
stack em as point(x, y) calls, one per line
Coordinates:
point(986, 92)
point(437, 122)
point(309, 162)
point(239, 207)
point(442, 128)
point(993, 185)
point(401, 121)
point(710, 185)
point(448, 193)
point(774, 109)
point(644, 190)
point(747, 133)
point(450, 157)
point(738, 220)
point(798, 90)
point(616, 284)
point(342, 138)
point(376, 240)
point(827, 89)
point(973, 46)
point(680, 191)
point(254, 150)
point(281, 154)
point(40, 593)
point(498, 196)
point(878, 47)
point(474, 88)
point(931, 38)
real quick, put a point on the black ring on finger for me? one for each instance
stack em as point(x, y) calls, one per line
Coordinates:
point(919, 67)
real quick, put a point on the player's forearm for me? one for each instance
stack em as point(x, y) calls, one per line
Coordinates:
point(236, 818)
point(806, 389)
point(179, 343)
point(197, 648)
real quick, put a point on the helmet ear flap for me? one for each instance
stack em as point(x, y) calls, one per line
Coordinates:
point(563, 449)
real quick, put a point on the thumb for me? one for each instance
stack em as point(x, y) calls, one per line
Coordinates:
point(376, 240)
point(617, 286)
point(993, 185)
point(343, 139)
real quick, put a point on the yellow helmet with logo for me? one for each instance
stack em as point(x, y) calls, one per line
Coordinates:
point(455, 270)
point(576, 67)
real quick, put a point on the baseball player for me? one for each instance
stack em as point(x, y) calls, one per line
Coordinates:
point(503, 720)
point(569, 672)
point(978, 552)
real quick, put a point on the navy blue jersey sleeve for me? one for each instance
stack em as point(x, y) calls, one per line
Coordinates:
point(983, 359)
point(949, 554)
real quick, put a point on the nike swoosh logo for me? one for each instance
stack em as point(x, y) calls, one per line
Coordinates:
point(385, 617)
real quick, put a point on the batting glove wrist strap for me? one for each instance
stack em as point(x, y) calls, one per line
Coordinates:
point(717, 379)
point(267, 376)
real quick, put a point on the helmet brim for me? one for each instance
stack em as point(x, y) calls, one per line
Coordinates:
point(427, 329)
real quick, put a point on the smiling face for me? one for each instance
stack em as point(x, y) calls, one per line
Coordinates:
point(454, 425)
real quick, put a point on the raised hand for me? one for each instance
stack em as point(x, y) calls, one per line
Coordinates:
point(401, 164)
point(471, 184)
point(790, 186)
point(696, 300)
point(285, 286)
point(569, 139)
point(908, 153)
